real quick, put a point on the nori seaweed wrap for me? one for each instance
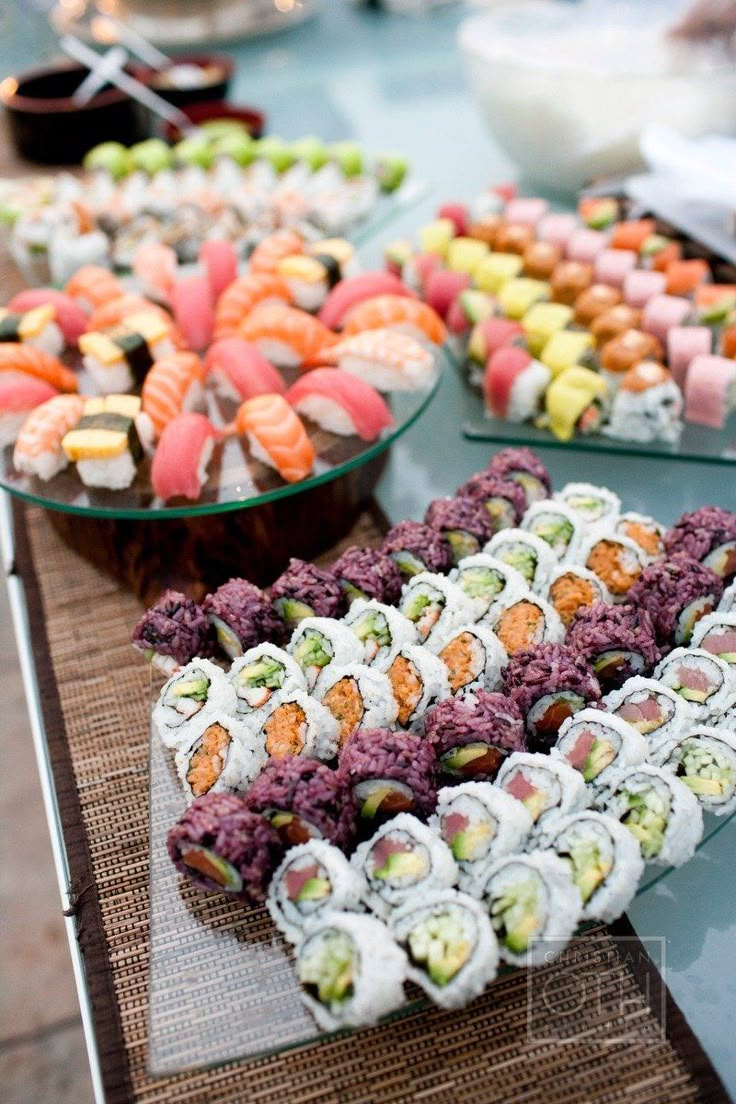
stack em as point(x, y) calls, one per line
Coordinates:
point(708, 535)
point(303, 799)
point(549, 683)
point(222, 847)
point(617, 641)
point(463, 521)
point(368, 573)
point(676, 593)
point(304, 590)
point(416, 547)
point(242, 617)
point(388, 773)
point(473, 734)
point(173, 631)
point(525, 468)
point(504, 499)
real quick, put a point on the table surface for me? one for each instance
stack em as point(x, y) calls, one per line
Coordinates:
point(396, 82)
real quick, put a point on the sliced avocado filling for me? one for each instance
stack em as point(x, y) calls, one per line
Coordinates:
point(408, 563)
point(502, 513)
point(416, 605)
point(227, 639)
point(556, 531)
point(481, 582)
point(587, 866)
point(514, 915)
point(292, 610)
point(383, 798)
point(326, 968)
point(195, 688)
point(401, 864)
point(600, 756)
point(314, 889)
point(462, 543)
point(522, 558)
point(373, 626)
point(212, 866)
point(646, 819)
point(532, 486)
point(440, 946)
point(266, 672)
point(471, 842)
point(352, 591)
point(589, 508)
point(311, 651)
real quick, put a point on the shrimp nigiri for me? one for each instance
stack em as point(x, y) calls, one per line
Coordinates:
point(38, 448)
point(396, 312)
point(388, 360)
point(92, 285)
point(243, 295)
point(267, 254)
point(15, 357)
point(172, 385)
point(286, 336)
point(276, 436)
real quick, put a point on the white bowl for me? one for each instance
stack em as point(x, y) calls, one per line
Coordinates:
point(567, 91)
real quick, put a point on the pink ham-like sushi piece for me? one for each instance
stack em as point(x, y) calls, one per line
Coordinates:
point(444, 286)
point(710, 390)
point(340, 403)
point(719, 642)
point(500, 332)
point(240, 371)
point(70, 318)
point(662, 313)
point(585, 244)
point(295, 880)
point(221, 264)
point(457, 213)
point(452, 825)
point(580, 750)
point(645, 713)
point(179, 466)
point(557, 229)
point(684, 343)
point(503, 369)
point(526, 210)
point(155, 265)
point(641, 285)
point(193, 307)
point(611, 266)
point(348, 293)
point(18, 397)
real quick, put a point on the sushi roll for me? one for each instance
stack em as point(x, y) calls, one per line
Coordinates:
point(542, 783)
point(464, 523)
point(557, 227)
point(473, 656)
point(403, 860)
point(417, 548)
point(617, 561)
point(684, 344)
point(385, 359)
point(522, 621)
point(487, 581)
point(708, 535)
point(549, 683)
point(613, 266)
point(704, 760)
point(397, 312)
point(641, 285)
point(716, 633)
point(172, 386)
point(643, 530)
point(285, 336)
point(557, 525)
point(183, 454)
point(121, 358)
point(350, 969)
point(305, 590)
point(576, 402)
point(479, 823)
point(660, 811)
point(172, 632)
point(534, 906)
point(36, 327)
point(677, 593)
point(472, 735)
point(340, 403)
point(18, 397)
point(617, 641)
point(276, 436)
point(368, 573)
point(418, 681)
point(434, 606)
point(626, 351)
point(516, 297)
point(450, 946)
point(238, 371)
point(381, 629)
point(567, 349)
point(503, 498)
point(594, 301)
point(525, 468)
point(313, 879)
point(259, 674)
point(319, 642)
point(349, 293)
point(527, 553)
point(702, 679)
point(647, 406)
point(303, 799)
point(388, 773)
point(623, 322)
point(662, 312)
point(489, 335)
point(653, 709)
point(294, 723)
point(220, 847)
point(109, 441)
point(496, 270)
point(572, 588)
point(514, 384)
point(197, 688)
point(221, 755)
point(604, 860)
point(727, 603)
point(542, 322)
point(357, 697)
point(598, 744)
point(595, 506)
point(242, 617)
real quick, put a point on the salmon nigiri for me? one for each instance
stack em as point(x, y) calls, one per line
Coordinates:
point(388, 360)
point(172, 385)
point(38, 448)
point(239, 371)
point(276, 436)
point(15, 357)
point(340, 403)
point(93, 285)
point(267, 254)
point(243, 295)
point(349, 293)
point(286, 336)
point(397, 312)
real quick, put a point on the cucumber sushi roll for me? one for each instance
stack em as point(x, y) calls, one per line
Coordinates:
point(615, 559)
point(473, 734)
point(707, 535)
point(504, 499)
point(172, 632)
point(526, 553)
point(450, 946)
point(357, 697)
point(368, 573)
point(652, 708)
point(534, 906)
point(677, 593)
point(557, 525)
point(381, 629)
point(199, 687)
point(595, 506)
point(705, 681)
point(549, 683)
point(643, 530)
point(524, 621)
point(318, 642)
point(416, 547)
point(313, 879)
point(479, 823)
point(487, 580)
point(463, 521)
point(402, 860)
point(350, 969)
point(388, 773)
point(572, 588)
point(542, 783)
point(305, 590)
point(473, 656)
point(659, 810)
point(525, 468)
point(597, 744)
point(303, 799)
point(294, 723)
point(242, 616)
point(617, 641)
point(434, 605)
point(418, 681)
point(716, 633)
point(705, 761)
point(604, 860)
point(262, 672)
point(222, 756)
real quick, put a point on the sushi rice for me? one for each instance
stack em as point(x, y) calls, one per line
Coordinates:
point(418, 680)
point(704, 760)
point(318, 642)
point(522, 621)
point(313, 878)
point(487, 580)
point(473, 656)
point(198, 688)
point(295, 723)
point(661, 812)
point(597, 744)
point(595, 506)
point(542, 783)
point(222, 755)
point(435, 605)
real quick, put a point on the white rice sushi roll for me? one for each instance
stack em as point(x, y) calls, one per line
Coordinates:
point(487, 580)
point(222, 756)
point(293, 723)
point(647, 406)
point(418, 681)
point(357, 696)
point(450, 945)
point(262, 672)
point(479, 823)
point(704, 680)
point(402, 859)
point(198, 688)
point(313, 879)
point(350, 969)
point(434, 605)
point(542, 783)
point(526, 553)
point(716, 633)
point(595, 506)
point(652, 708)
point(705, 761)
point(645, 531)
point(604, 860)
point(597, 744)
point(727, 603)
point(381, 629)
point(661, 812)
point(525, 620)
point(571, 588)
point(473, 656)
point(615, 559)
point(36, 327)
point(557, 525)
point(534, 906)
point(318, 642)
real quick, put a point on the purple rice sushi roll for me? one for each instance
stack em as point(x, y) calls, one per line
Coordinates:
point(549, 683)
point(525, 468)
point(617, 641)
point(172, 632)
point(415, 547)
point(676, 593)
point(388, 773)
point(221, 847)
point(303, 799)
point(304, 590)
point(473, 734)
point(242, 617)
point(707, 535)
point(368, 573)
point(463, 521)
point(504, 499)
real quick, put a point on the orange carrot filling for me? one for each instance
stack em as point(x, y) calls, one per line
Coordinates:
point(407, 687)
point(346, 705)
point(206, 763)
point(285, 730)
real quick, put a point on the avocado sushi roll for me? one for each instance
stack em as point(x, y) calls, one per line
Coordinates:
point(677, 593)
point(542, 783)
point(221, 755)
point(597, 744)
point(419, 681)
point(716, 633)
point(572, 588)
point(527, 553)
point(242, 617)
point(109, 441)
point(435, 605)
point(660, 811)
point(617, 641)
point(303, 799)
point(705, 761)
point(525, 621)
point(388, 773)
point(707, 535)
point(487, 580)
point(450, 946)
point(313, 878)
point(595, 506)
point(357, 697)
point(652, 708)
point(416, 548)
point(368, 573)
point(295, 723)
point(504, 499)
point(525, 468)
point(704, 680)
point(172, 632)
point(199, 687)
point(463, 521)
point(262, 672)
point(305, 590)
point(381, 629)
point(557, 525)
point(473, 656)
point(479, 823)
point(549, 683)
point(318, 642)
point(474, 733)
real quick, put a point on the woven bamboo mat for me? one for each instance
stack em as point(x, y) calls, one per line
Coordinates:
point(583, 1033)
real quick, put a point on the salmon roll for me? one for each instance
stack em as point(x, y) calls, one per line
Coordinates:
point(464, 523)
point(472, 735)
point(479, 823)
point(259, 674)
point(704, 760)
point(473, 656)
point(312, 879)
point(388, 773)
point(368, 573)
point(652, 708)
point(526, 553)
point(542, 784)
point(594, 506)
point(434, 605)
point(572, 588)
point(557, 525)
point(418, 681)
point(660, 811)
point(487, 581)
point(716, 633)
point(645, 531)
point(616, 560)
point(523, 621)
point(702, 679)
point(242, 616)
point(305, 590)
point(525, 468)
point(597, 744)
point(303, 799)
point(504, 499)
point(549, 683)
point(197, 688)
point(381, 629)
point(318, 642)
point(617, 641)
point(708, 535)
point(221, 756)
point(357, 696)
point(416, 547)
point(293, 723)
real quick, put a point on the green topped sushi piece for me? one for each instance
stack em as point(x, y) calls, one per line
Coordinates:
point(151, 156)
point(237, 145)
point(311, 150)
point(349, 156)
point(646, 819)
point(221, 128)
point(390, 170)
point(327, 966)
point(196, 151)
point(110, 157)
point(275, 150)
point(439, 944)
point(195, 688)
point(587, 866)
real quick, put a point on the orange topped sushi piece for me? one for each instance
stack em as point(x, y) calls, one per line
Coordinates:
point(170, 387)
point(267, 254)
point(16, 357)
point(632, 234)
point(387, 359)
point(667, 255)
point(396, 312)
point(683, 277)
point(645, 374)
point(276, 436)
point(93, 285)
point(243, 296)
point(38, 448)
point(286, 336)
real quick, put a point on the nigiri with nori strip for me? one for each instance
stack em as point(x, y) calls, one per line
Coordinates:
point(18, 397)
point(276, 436)
point(340, 403)
point(179, 467)
point(70, 318)
point(121, 358)
point(109, 441)
point(36, 327)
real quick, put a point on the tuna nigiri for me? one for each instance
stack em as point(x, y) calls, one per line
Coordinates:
point(70, 318)
point(240, 372)
point(286, 336)
point(18, 397)
point(15, 357)
point(220, 263)
point(192, 304)
point(396, 312)
point(267, 254)
point(38, 448)
point(172, 385)
point(179, 466)
point(340, 403)
point(155, 265)
point(243, 295)
point(92, 285)
point(349, 293)
point(385, 359)
point(276, 436)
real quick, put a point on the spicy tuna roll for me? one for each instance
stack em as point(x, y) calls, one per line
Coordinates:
point(305, 590)
point(677, 593)
point(704, 680)
point(357, 696)
point(313, 879)
point(659, 810)
point(473, 656)
point(295, 723)
point(487, 580)
point(303, 799)
point(643, 530)
point(615, 559)
point(617, 641)
point(418, 681)
point(416, 547)
point(472, 735)
point(242, 617)
point(557, 525)
point(434, 605)
point(705, 761)
point(262, 672)
point(479, 823)
point(526, 469)
point(572, 588)
point(199, 687)
point(388, 773)
point(221, 755)
point(716, 633)
point(463, 521)
point(524, 622)
point(172, 632)
point(318, 642)
point(381, 629)
point(597, 743)
point(652, 708)
point(707, 535)
point(368, 573)
point(549, 683)
point(504, 499)
point(527, 553)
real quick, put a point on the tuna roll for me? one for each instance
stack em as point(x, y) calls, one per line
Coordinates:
point(597, 744)
point(402, 861)
point(313, 879)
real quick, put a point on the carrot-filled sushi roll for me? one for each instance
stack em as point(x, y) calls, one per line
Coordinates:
point(387, 360)
point(24, 359)
point(352, 291)
point(276, 436)
point(38, 448)
point(267, 254)
point(239, 371)
point(514, 384)
point(340, 403)
point(220, 263)
point(173, 386)
point(36, 327)
point(120, 359)
point(19, 395)
point(68, 315)
point(92, 285)
point(109, 441)
point(286, 336)
point(193, 307)
point(397, 312)
point(244, 295)
point(179, 467)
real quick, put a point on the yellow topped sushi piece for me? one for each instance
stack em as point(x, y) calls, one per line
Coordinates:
point(496, 269)
point(110, 437)
point(542, 321)
point(102, 347)
point(517, 296)
point(342, 250)
point(565, 349)
point(31, 323)
point(149, 324)
point(301, 267)
point(436, 236)
point(465, 254)
point(127, 405)
point(568, 398)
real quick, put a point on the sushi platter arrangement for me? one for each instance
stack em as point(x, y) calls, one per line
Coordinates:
point(445, 754)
